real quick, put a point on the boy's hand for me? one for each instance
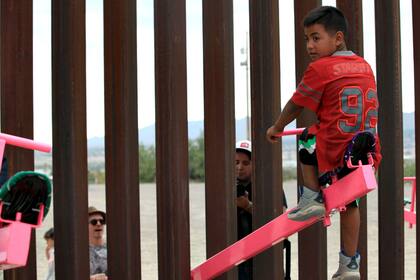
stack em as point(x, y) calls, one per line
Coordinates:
point(243, 201)
point(272, 132)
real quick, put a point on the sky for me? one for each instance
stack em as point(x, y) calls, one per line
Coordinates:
point(145, 39)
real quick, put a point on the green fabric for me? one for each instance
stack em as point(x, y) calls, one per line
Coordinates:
point(309, 144)
point(21, 175)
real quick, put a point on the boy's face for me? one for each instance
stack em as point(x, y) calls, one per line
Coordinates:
point(243, 167)
point(320, 43)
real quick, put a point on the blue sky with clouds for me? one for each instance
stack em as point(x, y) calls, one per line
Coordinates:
point(145, 37)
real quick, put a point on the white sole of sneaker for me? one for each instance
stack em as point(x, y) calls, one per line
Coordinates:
point(348, 276)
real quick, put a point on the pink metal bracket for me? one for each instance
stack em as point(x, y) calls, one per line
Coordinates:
point(21, 142)
point(25, 143)
point(410, 215)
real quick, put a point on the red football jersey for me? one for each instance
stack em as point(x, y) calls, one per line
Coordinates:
point(341, 90)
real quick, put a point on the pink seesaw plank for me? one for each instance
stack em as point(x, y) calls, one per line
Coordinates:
point(337, 196)
point(410, 215)
point(261, 239)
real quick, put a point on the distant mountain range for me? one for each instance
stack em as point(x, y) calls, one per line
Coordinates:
point(196, 128)
point(408, 121)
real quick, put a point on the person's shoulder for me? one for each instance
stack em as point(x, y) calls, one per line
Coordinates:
point(316, 69)
point(336, 57)
point(346, 56)
point(343, 63)
point(318, 66)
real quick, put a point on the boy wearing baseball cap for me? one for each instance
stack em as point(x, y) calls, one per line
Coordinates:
point(244, 199)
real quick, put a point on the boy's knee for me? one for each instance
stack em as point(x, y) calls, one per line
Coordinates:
point(307, 148)
point(307, 158)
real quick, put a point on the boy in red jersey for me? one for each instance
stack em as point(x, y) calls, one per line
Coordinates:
point(340, 88)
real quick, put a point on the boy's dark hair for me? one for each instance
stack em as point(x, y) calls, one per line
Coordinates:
point(331, 18)
point(49, 234)
point(244, 152)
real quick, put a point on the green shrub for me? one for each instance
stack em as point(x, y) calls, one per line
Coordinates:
point(147, 163)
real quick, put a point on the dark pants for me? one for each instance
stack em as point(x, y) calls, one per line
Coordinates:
point(245, 270)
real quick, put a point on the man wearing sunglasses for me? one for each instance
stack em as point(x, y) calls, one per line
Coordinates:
point(97, 245)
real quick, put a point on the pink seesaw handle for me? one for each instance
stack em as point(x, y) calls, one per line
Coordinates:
point(296, 131)
point(25, 143)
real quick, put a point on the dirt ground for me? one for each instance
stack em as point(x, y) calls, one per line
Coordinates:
point(197, 231)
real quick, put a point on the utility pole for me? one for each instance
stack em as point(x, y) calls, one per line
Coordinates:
point(246, 64)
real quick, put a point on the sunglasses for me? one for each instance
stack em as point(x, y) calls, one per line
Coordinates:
point(94, 222)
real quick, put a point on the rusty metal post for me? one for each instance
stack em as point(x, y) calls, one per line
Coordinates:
point(219, 126)
point(416, 49)
point(388, 59)
point(352, 10)
point(121, 140)
point(69, 139)
point(312, 241)
point(265, 108)
point(172, 140)
point(17, 98)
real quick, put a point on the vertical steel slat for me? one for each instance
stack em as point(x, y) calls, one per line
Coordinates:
point(312, 241)
point(121, 140)
point(416, 53)
point(265, 108)
point(353, 11)
point(17, 98)
point(219, 126)
point(69, 139)
point(391, 195)
point(171, 140)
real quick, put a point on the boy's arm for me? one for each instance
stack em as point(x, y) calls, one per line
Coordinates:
point(244, 203)
point(290, 112)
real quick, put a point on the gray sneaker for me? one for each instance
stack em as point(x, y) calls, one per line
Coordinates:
point(348, 268)
point(311, 204)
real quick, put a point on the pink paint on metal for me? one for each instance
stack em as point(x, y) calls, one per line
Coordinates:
point(25, 143)
point(2, 146)
point(14, 245)
point(356, 184)
point(19, 215)
point(15, 239)
point(410, 215)
point(296, 131)
point(261, 239)
point(15, 236)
